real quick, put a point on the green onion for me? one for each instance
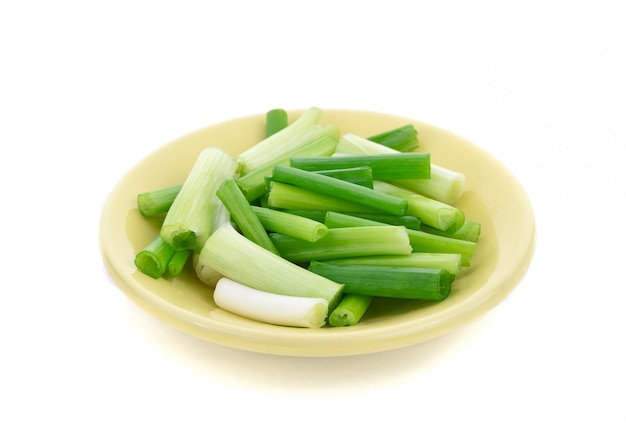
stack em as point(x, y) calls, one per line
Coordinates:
point(410, 222)
point(349, 310)
point(431, 212)
point(345, 242)
point(157, 201)
point(470, 231)
point(388, 166)
point(242, 213)
point(388, 281)
point(340, 189)
point(298, 134)
point(271, 308)
point(444, 185)
point(421, 242)
point(291, 225)
point(177, 262)
point(154, 258)
point(403, 139)
point(189, 221)
point(288, 197)
point(253, 184)
point(359, 175)
point(243, 261)
point(445, 261)
point(275, 120)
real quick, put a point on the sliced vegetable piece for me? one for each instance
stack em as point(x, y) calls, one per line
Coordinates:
point(157, 201)
point(290, 224)
point(350, 310)
point(154, 258)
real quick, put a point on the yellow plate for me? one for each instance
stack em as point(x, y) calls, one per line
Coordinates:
point(492, 197)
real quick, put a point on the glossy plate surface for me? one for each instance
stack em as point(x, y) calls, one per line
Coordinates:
point(492, 197)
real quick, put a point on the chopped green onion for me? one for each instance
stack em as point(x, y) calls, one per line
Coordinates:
point(388, 281)
point(177, 262)
point(388, 166)
point(288, 197)
point(189, 221)
point(340, 189)
point(470, 231)
point(403, 139)
point(271, 308)
point(349, 310)
point(421, 242)
point(241, 212)
point(290, 224)
point(154, 258)
point(359, 175)
point(431, 212)
point(243, 261)
point(253, 184)
point(444, 185)
point(157, 201)
point(299, 133)
point(345, 242)
point(447, 261)
point(275, 120)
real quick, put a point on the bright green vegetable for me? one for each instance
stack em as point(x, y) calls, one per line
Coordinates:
point(243, 261)
point(359, 175)
point(444, 185)
point(448, 262)
point(408, 221)
point(154, 258)
point(275, 120)
point(345, 242)
point(403, 139)
point(470, 231)
point(340, 189)
point(387, 166)
point(299, 133)
point(431, 212)
point(349, 310)
point(157, 201)
point(253, 184)
point(288, 197)
point(388, 281)
point(291, 225)
point(243, 214)
point(189, 221)
point(421, 242)
point(177, 262)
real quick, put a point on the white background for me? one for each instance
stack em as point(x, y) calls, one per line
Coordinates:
point(89, 88)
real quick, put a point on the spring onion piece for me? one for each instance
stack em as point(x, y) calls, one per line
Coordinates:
point(154, 258)
point(388, 281)
point(243, 261)
point(408, 221)
point(157, 201)
point(448, 262)
point(205, 273)
point(349, 310)
point(270, 308)
point(387, 166)
point(189, 221)
point(421, 242)
point(275, 120)
point(290, 224)
point(431, 212)
point(299, 133)
point(358, 175)
point(288, 197)
point(470, 231)
point(241, 212)
point(444, 185)
point(340, 189)
point(177, 262)
point(253, 184)
point(403, 139)
point(345, 242)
